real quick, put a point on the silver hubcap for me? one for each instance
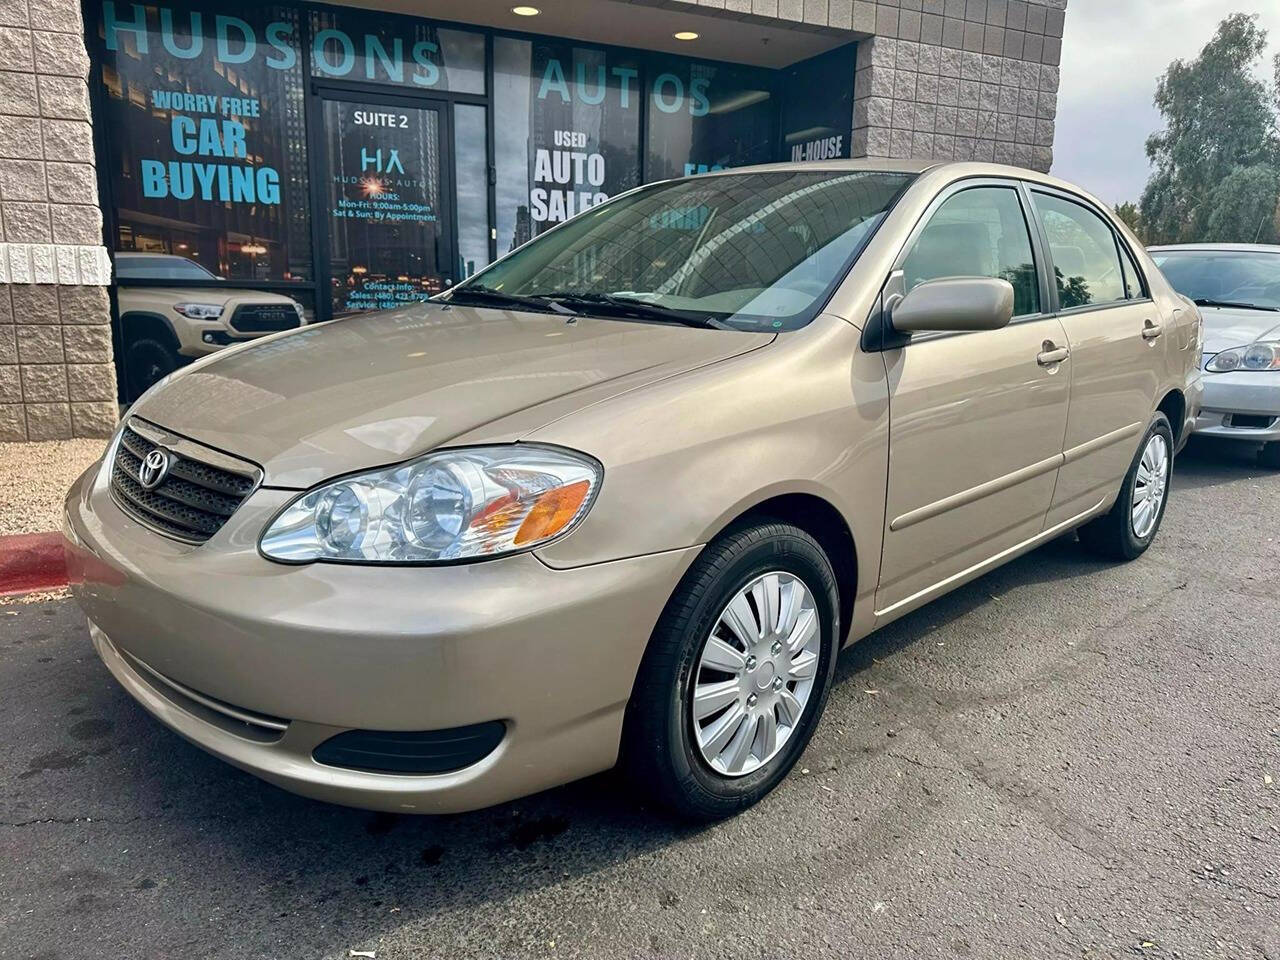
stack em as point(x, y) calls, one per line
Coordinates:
point(756, 674)
point(1150, 487)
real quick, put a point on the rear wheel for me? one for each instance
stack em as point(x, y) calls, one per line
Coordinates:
point(1128, 529)
point(1269, 455)
point(736, 674)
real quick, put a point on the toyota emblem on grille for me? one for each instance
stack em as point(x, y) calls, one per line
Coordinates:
point(154, 468)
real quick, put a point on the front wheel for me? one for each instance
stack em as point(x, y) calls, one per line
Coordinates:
point(1269, 455)
point(1128, 529)
point(147, 360)
point(737, 673)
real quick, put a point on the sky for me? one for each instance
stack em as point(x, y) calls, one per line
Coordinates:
point(1113, 52)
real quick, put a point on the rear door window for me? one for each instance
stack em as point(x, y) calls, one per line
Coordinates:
point(1086, 263)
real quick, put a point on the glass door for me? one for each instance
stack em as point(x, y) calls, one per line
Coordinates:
point(386, 200)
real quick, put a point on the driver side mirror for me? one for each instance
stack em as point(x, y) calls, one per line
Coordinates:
point(954, 304)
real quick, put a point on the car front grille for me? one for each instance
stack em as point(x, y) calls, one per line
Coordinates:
point(196, 497)
point(264, 317)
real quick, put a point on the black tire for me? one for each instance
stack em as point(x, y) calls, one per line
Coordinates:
point(659, 751)
point(147, 360)
point(1269, 455)
point(1112, 535)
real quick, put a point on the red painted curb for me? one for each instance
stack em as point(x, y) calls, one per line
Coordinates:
point(31, 561)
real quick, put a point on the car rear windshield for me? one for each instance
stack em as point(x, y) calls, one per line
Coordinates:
point(750, 251)
point(1238, 277)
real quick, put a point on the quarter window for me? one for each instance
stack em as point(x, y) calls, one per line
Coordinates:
point(1132, 277)
point(1086, 265)
point(980, 232)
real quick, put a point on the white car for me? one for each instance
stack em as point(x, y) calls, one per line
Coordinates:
point(1237, 288)
point(165, 321)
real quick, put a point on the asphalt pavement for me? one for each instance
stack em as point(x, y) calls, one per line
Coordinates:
point(1066, 758)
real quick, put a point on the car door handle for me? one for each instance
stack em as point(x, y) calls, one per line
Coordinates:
point(1051, 354)
point(1151, 330)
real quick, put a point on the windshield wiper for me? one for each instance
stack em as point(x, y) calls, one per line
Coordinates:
point(608, 304)
point(1232, 304)
point(479, 296)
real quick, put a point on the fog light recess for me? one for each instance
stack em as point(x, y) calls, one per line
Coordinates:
point(411, 752)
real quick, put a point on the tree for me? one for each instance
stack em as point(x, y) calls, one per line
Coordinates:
point(1214, 166)
point(1243, 207)
point(1072, 291)
point(1129, 213)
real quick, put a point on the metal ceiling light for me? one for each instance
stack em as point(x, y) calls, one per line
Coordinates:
point(685, 35)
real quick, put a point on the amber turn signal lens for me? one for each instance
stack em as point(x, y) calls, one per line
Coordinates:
point(553, 512)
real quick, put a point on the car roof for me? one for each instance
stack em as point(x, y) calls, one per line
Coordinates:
point(132, 254)
point(872, 164)
point(951, 170)
point(1220, 247)
point(959, 168)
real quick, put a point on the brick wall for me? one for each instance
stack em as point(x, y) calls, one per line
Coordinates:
point(56, 375)
point(960, 80)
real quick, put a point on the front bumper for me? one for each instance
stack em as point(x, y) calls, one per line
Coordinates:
point(193, 344)
point(1229, 398)
point(327, 648)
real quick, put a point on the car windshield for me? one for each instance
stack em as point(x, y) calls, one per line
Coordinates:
point(749, 251)
point(134, 267)
point(1243, 278)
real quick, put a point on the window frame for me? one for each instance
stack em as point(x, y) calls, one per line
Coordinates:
point(1033, 188)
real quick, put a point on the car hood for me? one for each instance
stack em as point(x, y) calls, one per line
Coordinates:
point(212, 294)
point(379, 388)
point(1225, 328)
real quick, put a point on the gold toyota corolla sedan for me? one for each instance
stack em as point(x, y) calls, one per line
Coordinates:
point(623, 496)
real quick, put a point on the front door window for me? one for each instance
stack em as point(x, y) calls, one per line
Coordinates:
point(980, 232)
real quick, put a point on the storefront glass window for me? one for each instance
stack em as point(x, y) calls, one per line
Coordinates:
point(401, 51)
point(706, 116)
point(211, 160)
point(568, 132)
point(819, 128)
point(469, 138)
point(208, 156)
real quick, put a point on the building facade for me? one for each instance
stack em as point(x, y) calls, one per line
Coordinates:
point(180, 171)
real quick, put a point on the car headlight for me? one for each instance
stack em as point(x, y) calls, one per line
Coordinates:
point(1263, 355)
point(462, 504)
point(199, 311)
